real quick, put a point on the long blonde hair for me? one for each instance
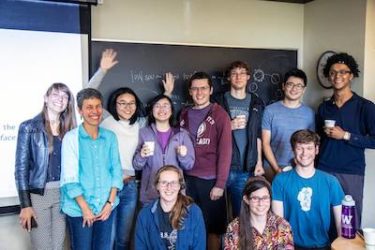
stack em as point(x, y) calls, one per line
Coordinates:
point(180, 208)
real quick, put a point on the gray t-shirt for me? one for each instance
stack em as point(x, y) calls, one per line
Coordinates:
point(239, 107)
point(282, 122)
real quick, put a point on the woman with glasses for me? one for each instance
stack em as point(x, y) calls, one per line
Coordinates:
point(173, 221)
point(159, 144)
point(257, 227)
point(38, 165)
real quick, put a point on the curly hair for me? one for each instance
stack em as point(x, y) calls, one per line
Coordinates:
point(342, 58)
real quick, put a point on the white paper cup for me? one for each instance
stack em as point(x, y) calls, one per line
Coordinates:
point(287, 168)
point(329, 123)
point(151, 147)
point(369, 235)
point(242, 117)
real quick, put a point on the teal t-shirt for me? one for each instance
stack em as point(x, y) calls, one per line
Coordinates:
point(307, 205)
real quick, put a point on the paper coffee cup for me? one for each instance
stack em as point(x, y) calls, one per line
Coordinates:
point(151, 147)
point(369, 235)
point(287, 168)
point(329, 123)
point(242, 117)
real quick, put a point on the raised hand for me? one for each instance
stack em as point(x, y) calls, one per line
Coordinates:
point(108, 59)
point(168, 84)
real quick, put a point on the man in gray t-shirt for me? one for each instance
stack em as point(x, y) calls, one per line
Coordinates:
point(281, 119)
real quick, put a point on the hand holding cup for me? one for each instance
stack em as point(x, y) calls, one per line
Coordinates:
point(148, 149)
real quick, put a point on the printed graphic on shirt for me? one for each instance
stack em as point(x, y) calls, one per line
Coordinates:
point(202, 129)
point(304, 198)
point(239, 111)
point(171, 239)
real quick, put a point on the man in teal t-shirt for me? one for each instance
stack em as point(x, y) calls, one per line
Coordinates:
point(304, 196)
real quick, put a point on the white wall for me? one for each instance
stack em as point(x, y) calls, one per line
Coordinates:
point(242, 23)
point(337, 25)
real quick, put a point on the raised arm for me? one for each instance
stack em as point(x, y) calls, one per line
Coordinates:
point(107, 61)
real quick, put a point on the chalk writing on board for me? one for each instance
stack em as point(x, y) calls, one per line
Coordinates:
point(142, 67)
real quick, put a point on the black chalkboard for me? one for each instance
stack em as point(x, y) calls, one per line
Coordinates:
point(142, 67)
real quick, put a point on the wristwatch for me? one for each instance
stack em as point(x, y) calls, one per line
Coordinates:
point(110, 203)
point(346, 136)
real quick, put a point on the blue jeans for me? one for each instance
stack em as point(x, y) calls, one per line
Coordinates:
point(124, 217)
point(235, 185)
point(96, 237)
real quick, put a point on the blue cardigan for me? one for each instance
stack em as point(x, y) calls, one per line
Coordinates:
point(191, 236)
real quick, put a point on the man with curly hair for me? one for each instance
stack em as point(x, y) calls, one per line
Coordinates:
point(343, 145)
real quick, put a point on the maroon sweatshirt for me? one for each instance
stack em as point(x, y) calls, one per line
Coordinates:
point(213, 145)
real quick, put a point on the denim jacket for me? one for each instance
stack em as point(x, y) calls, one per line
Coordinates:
point(192, 235)
point(31, 164)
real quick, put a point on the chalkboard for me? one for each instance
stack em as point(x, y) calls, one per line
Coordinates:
point(142, 67)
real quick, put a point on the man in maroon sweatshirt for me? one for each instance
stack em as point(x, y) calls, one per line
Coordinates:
point(210, 127)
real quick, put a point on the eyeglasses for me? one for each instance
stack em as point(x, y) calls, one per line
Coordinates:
point(333, 73)
point(162, 106)
point(172, 184)
point(241, 74)
point(204, 88)
point(258, 199)
point(297, 86)
point(126, 104)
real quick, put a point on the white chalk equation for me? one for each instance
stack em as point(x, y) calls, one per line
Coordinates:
point(259, 84)
point(143, 77)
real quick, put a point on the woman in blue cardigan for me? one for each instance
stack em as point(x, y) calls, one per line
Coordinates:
point(173, 221)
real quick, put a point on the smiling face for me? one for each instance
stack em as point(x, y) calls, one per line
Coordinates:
point(125, 106)
point(200, 92)
point(294, 88)
point(304, 154)
point(238, 78)
point(162, 110)
point(168, 186)
point(259, 202)
point(340, 76)
point(57, 101)
point(91, 112)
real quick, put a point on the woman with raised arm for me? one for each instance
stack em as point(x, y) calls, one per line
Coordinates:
point(172, 221)
point(257, 227)
point(161, 143)
point(125, 117)
point(38, 165)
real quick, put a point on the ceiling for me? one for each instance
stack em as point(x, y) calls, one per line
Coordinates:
point(291, 1)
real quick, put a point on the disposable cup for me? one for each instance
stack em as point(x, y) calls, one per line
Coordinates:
point(329, 123)
point(369, 235)
point(151, 147)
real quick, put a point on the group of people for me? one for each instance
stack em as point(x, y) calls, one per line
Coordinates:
point(192, 170)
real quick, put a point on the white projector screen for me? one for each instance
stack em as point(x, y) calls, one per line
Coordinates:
point(30, 62)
